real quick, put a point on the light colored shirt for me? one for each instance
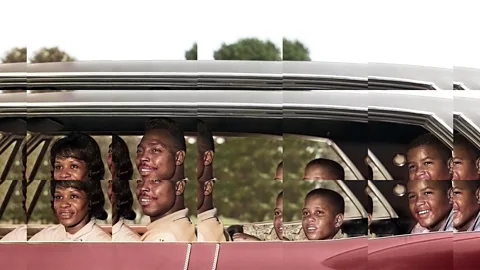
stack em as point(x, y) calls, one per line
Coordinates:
point(91, 232)
point(447, 226)
point(121, 232)
point(210, 228)
point(19, 234)
point(175, 227)
point(476, 224)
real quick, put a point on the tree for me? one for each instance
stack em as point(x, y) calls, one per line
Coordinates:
point(248, 49)
point(192, 54)
point(53, 54)
point(16, 55)
point(295, 51)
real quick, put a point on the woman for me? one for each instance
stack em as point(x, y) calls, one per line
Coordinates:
point(76, 206)
point(76, 156)
point(119, 193)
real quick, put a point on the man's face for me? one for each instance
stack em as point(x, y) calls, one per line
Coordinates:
point(71, 207)
point(463, 164)
point(318, 173)
point(319, 222)
point(70, 169)
point(157, 197)
point(278, 217)
point(155, 159)
point(428, 203)
point(465, 205)
point(425, 163)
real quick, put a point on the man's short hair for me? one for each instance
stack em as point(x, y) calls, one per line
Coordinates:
point(461, 141)
point(173, 129)
point(333, 167)
point(205, 138)
point(334, 199)
point(431, 140)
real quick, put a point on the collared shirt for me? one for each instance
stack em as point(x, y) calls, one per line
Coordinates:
point(476, 224)
point(210, 228)
point(447, 226)
point(91, 232)
point(176, 227)
point(121, 232)
point(19, 234)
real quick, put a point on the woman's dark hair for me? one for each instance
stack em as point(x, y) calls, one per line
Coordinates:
point(80, 146)
point(121, 159)
point(93, 190)
point(124, 202)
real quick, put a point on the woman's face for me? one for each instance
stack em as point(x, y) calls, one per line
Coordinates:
point(71, 208)
point(70, 169)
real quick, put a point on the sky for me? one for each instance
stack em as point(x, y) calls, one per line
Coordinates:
point(427, 32)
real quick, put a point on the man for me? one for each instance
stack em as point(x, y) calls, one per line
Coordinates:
point(430, 205)
point(466, 206)
point(160, 191)
point(323, 169)
point(209, 227)
point(428, 158)
point(465, 163)
point(323, 214)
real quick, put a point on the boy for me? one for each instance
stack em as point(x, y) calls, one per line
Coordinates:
point(428, 158)
point(323, 169)
point(430, 205)
point(466, 206)
point(323, 214)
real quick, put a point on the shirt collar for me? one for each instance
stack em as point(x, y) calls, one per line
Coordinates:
point(82, 232)
point(169, 218)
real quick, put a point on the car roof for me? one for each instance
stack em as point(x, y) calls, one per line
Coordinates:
point(440, 77)
point(470, 77)
point(438, 103)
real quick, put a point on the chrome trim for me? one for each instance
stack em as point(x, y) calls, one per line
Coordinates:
point(382, 199)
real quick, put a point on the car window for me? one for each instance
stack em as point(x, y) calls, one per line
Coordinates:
point(13, 212)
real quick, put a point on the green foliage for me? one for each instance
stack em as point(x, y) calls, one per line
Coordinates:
point(16, 55)
point(248, 49)
point(52, 54)
point(295, 51)
point(192, 54)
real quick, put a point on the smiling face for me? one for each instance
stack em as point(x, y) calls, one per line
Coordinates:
point(155, 158)
point(70, 169)
point(428, 203)
point(464, 164)
point(278, 217)
point(71, 208)
point(157, 197)
point(319, 222)
point(425, 163)
point(465, 205)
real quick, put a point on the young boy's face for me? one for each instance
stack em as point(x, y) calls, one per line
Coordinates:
point(319, 221)
point(428, 203)
point(318, 173)
point(278, 217)
point(464, 165)
point(425, 163)
point(465, 205)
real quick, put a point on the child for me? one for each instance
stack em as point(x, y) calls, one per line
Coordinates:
point(323, 214)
